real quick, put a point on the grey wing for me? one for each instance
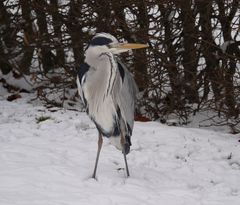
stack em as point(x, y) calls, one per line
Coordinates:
point(81, 75)
point(125, 91)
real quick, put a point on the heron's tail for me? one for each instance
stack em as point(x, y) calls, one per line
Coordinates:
point(127, 144)
point(116, 142)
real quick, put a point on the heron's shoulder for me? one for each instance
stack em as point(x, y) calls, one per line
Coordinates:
point(83, 68)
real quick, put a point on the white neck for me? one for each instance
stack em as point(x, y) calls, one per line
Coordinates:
point(93, 55)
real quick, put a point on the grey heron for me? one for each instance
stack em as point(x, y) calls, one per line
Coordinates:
point(108, 92)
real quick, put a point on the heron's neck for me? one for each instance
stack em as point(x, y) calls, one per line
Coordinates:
point(93, 55)
point(102, 71)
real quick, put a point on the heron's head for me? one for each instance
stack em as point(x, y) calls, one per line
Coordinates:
point(105, 42)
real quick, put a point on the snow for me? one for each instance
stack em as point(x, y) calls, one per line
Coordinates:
point(23, 83)
point(51, 162)
point(171, 15)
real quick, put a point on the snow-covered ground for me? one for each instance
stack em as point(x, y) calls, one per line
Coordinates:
point(51, 162)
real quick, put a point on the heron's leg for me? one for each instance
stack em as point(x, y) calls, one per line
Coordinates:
point(124, 154)
point(100, 141)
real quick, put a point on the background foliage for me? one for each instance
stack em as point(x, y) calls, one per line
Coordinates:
point(191, 66)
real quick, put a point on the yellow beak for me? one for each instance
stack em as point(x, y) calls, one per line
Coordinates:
point(130, 46)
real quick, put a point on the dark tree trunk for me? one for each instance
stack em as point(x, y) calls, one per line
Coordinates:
point(57, 23)
point(229, 63)
point(121, 22)
point(209, 50)
point(46, 57)
point(140, 56)
point(171, 62)
point(75, 31)
point(5, 29)
point(103, 10)
point(29, 37)
point(190, 59)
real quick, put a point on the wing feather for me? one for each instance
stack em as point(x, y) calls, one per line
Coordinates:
point(82, 71)
point(125, 91)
